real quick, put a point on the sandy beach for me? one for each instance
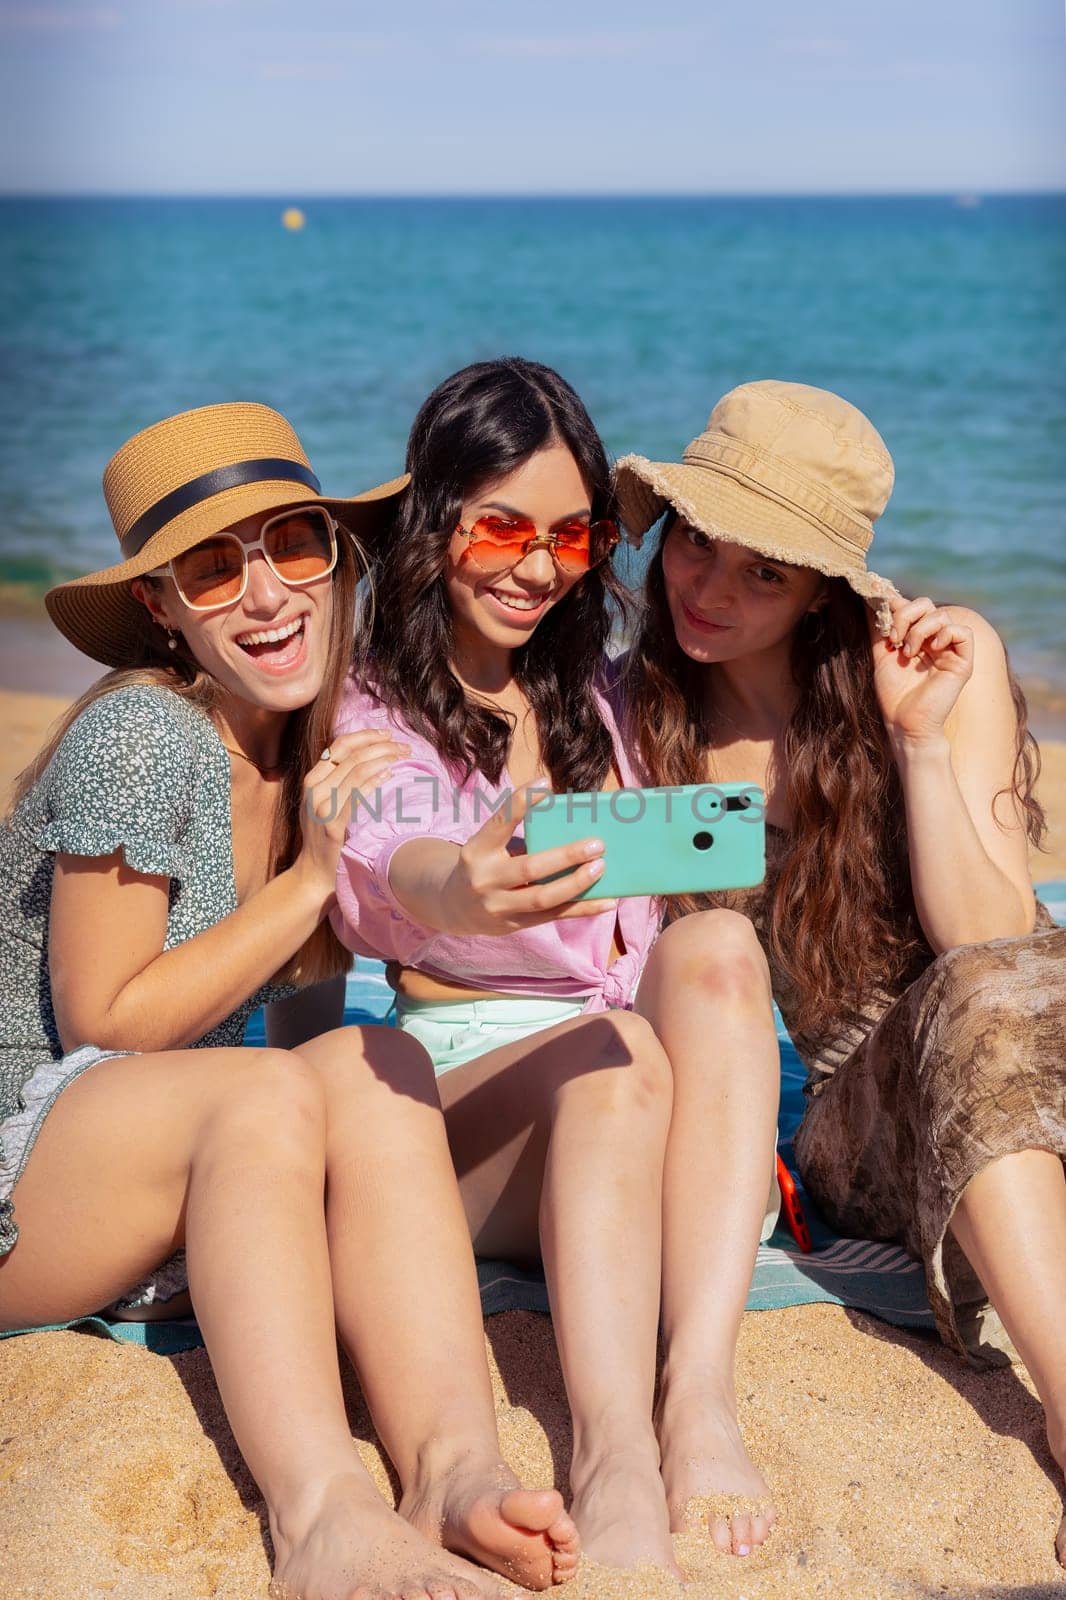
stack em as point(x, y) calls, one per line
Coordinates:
point(897, 1470)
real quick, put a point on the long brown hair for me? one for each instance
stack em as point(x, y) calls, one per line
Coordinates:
point(843, 924)
point(306, 734)
point(475, 427)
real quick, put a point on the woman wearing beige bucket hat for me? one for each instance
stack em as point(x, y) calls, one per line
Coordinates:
point(169, 865)
point(923, 985)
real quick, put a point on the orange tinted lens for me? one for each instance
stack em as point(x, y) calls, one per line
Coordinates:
point(210, 573)
point(496, 544)
point(571, 546)
point(300, 546)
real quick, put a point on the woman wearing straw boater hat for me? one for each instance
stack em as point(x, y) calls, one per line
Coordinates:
point(168, 865)
point(923, 985)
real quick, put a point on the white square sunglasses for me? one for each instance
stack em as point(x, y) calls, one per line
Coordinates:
point(299, 546)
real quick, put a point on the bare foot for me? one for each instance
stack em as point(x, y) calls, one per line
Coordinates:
point(477, 1507)
point(620, 1508)
point(345, 1544)
point(712, 1485)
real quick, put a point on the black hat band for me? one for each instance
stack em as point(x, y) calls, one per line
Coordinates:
point(211, 483)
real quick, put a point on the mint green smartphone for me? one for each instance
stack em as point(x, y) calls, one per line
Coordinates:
point(687, 839)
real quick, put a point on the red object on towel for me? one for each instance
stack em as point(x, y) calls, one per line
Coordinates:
point(793, 1208)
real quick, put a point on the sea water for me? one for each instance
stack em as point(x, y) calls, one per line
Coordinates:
point(944, 321)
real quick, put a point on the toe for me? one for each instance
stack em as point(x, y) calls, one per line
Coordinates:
point(742, 1542)
point(761, 1524)
point(533, 1509)
point(1060, 1543)
point(564, 1565)
point(563, 1533)
point(722, 1535)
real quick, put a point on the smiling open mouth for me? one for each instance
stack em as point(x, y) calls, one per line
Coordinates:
point(518, 602)
point(274, 646)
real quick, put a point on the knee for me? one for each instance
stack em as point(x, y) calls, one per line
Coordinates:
point(271, 1103)
point(969, 983)
point(717, 952)
point(356, 1066)
point(624, 1069)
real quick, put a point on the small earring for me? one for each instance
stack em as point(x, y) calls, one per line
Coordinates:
point(172, 643)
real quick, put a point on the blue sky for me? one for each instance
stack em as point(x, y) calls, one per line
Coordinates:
point(334, 96)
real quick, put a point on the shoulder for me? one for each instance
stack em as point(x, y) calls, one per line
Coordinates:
point(986, 714)
point(983, 631)
point(135, 727)
point(360, 707)
point(140, 706)
point(989, 654)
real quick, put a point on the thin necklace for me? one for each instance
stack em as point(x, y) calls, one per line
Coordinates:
point(264, 772)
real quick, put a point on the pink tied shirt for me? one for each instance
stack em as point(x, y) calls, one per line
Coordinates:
point(420, 798)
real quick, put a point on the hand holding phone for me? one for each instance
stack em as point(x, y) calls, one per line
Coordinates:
point(492, 890)
point(681, 839)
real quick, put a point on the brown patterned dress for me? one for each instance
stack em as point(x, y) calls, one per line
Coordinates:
point(911, 1100)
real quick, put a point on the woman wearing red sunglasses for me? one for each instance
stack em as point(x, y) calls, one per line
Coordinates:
point(572, 1058)
point(167, 867)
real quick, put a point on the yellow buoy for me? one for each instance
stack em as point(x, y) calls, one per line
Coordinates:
point(293, 219)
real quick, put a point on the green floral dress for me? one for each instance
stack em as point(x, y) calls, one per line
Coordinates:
point(142, 770)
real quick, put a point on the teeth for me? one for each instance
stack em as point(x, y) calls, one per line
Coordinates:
point(271, 635)
point(518, 602)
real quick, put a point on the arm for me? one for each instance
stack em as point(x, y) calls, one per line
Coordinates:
point(481, 888)
point(112, 982)
point(945, 697)
point(115, 986)
point(416, 864)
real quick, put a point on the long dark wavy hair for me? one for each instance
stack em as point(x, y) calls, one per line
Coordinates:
point(306, 733)
point(475, 428)
point(842, 924)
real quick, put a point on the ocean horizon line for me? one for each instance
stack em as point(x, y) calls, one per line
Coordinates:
point(953, 195)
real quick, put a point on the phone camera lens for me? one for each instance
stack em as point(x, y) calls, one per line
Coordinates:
point(703, 841)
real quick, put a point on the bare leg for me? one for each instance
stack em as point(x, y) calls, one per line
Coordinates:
point(558, 1142)
point(706, 992)
point(224, 1150)
point(425, 1376)
point(1011, 1223)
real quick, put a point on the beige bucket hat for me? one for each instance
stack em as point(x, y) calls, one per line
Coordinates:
point(180, 481)
point(796, 473)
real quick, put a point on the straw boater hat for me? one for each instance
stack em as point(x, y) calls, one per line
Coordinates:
point(179, 482)
point(797, 474)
